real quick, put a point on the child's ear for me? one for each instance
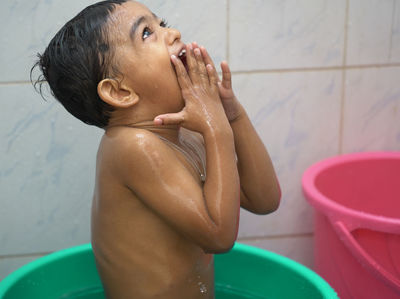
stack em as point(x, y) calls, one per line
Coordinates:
point(111, 92)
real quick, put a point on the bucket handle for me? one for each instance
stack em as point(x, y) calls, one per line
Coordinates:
point(364, 258)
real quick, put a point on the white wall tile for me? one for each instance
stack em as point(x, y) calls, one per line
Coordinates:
point(27, 26)
point(372, 110)
point(47, 160)
point(297, 248)
point(395, 44)
point(297, 116)
point(370, 32)
point(274, 34)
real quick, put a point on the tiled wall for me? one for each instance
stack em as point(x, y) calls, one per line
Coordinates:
point(317, 77)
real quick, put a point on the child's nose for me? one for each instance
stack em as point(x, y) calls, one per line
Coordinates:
point(173, 35)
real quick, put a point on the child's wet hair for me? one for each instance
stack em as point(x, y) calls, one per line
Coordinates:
point(76, 60)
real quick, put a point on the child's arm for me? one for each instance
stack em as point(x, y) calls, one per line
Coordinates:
point(260, 191)
point(208, 216)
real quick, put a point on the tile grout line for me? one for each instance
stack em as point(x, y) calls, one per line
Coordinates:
point(342, 113)
point(228, 15)
point(391, 31)
point(15, 82)
point(23, 255)
point(344, 73)
point(258, 238)
point(316, 69)
point(346, 31)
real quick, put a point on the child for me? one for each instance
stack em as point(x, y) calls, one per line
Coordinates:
point(178, 156)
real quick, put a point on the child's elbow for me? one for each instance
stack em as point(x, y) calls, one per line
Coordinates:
point(274, 200)
point(225, 246)
point(269, 206)
point(272, 207)
point(219, 248)
point(221, 243)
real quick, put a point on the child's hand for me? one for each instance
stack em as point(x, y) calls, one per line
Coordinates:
point(229, 101)
point(203, 109)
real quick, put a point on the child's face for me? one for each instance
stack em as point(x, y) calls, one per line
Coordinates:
point(143, 47)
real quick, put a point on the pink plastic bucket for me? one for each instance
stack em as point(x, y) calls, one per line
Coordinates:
point(357, 223)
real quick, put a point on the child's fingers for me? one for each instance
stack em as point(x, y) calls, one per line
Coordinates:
point(170, 119)
point(213, 76)
point(201, 66)
point(206, 57)
point(183, 77)
point(226, 75)
point(192, 64)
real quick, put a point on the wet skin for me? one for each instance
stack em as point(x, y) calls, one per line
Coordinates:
point(155, 224)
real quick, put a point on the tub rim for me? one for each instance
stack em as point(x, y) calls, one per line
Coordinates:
point(323, 287)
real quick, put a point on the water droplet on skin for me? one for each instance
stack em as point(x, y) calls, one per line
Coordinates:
point(203, 288)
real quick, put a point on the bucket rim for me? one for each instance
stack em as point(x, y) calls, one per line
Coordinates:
point(352, 218)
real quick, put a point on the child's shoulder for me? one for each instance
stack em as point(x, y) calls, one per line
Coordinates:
point(131, 141)
point(136, 157)
point(131, 155)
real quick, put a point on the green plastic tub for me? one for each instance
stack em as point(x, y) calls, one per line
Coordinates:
point(244, 272)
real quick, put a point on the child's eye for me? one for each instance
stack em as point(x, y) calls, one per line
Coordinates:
point(146, 33)
point(164, 23)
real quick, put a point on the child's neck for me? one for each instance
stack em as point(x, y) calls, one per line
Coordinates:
point(142, 119)
point(169, 132)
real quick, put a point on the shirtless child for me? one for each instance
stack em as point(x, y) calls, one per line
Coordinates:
point(178, 158)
